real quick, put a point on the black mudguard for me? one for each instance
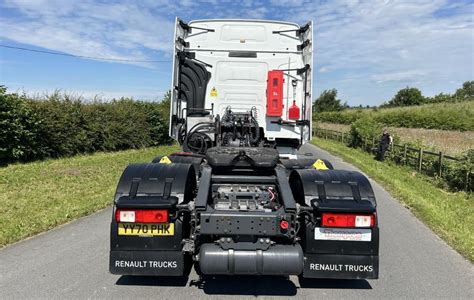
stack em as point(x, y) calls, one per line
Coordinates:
point(336, 191)
point(153, 186)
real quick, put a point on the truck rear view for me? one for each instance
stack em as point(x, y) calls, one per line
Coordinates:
point(239, 199)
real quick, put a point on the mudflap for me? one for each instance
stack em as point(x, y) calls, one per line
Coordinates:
point(337, 266)
point(147, 187)
point(337, 252)
point(154, 263)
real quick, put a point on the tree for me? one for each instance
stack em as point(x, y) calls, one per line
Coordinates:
point(466, 92)
point(407, 97)
point(328, 101)
point(440, 98)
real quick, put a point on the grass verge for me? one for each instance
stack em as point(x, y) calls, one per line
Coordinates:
point(449, 215)
point(38, 196)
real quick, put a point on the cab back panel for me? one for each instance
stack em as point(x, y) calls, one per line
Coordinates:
point(238, 55)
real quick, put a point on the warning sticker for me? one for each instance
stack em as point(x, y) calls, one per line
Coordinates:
point(320, 165)
point(213, 92)
point(165, 160)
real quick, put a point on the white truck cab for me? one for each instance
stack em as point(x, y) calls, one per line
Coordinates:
point(251, 78)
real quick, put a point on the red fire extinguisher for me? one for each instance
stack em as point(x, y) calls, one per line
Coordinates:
point(294, 110)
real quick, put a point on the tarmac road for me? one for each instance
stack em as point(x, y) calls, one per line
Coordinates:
point(72, 262)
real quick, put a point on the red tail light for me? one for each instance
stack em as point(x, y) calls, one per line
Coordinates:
point(347, 220)
point(141, 215)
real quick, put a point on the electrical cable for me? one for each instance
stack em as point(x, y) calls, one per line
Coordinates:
point(83, 56)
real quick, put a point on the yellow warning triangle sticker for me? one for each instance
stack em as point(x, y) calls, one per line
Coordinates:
point(213, 92)
point(165, 160)
point(320, 165)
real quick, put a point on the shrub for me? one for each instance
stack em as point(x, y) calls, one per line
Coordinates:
point(459, 174)
point(18, 127)
point(158, 117)
point(446, 116)
point(64, 125)
point(364, 128)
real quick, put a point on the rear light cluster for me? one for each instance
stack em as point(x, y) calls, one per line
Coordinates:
point(141, 215)
point(348, 220)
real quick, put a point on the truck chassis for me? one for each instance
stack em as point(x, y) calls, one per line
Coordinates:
point(253, 214)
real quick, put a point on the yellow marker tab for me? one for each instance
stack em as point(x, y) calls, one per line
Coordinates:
point(165, 160)
point(320, 165)
point(213, 92)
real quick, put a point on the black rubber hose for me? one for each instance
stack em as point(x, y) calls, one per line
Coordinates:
point(193, 135)
point(257, 132)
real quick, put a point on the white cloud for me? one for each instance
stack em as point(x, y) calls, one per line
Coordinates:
point(401, 76)
point(88, 28)
point(323, 70)
point(390, 42)
point(358, 44)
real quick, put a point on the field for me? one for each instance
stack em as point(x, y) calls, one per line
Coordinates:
point(445, 116)
point(451, 142)
point(37, 196)
point(450, 215)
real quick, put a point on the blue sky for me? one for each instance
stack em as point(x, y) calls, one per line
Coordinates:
point(367, 50)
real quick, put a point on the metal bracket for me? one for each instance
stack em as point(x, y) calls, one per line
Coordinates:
point(182, 42)
point(182, 55)
point(302, 70)
point(188, 28)
point(303, 45)
point(298, 31)
point(261, 244)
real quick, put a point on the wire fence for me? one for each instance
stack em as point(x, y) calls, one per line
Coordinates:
point(430, 163)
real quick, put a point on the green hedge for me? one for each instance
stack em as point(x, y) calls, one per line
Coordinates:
point(447, 116)
point(62, 125)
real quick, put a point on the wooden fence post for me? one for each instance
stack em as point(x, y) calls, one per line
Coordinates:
point(405, 154)
point(373, 145)
point(420, 159)
point(440, 164)
point(467, 180)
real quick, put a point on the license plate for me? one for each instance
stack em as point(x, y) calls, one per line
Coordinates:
point(342, 234)
point(145, 229)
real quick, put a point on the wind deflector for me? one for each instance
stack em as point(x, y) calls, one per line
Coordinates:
point(193, 80)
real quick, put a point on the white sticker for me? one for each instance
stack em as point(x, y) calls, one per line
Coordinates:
point(342, 234)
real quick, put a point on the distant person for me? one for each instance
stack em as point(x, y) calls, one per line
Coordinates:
point(385, 143)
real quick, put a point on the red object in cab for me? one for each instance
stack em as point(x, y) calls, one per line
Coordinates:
point(294, 111)
point(275, 93)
